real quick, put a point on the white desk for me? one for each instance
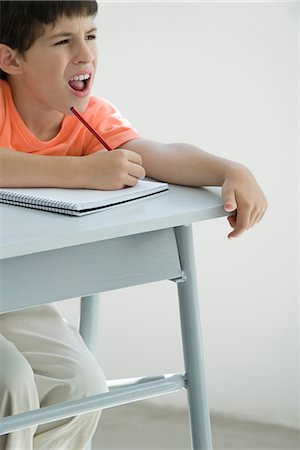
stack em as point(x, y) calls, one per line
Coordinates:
point(47, 257)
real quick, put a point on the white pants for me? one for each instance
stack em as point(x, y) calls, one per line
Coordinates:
point(43, 360)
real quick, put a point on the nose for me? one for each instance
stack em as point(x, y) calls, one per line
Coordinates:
point(83, 53)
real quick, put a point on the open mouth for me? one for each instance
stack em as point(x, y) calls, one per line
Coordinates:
point(80, 83)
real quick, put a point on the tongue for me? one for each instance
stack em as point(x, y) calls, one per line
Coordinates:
point(77, 85)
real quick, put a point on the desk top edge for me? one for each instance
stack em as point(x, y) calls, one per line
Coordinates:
point(182, 206)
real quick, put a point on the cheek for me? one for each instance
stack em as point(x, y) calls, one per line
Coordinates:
point(51, 66)
point(96, 59)
point(55, 67)
point(41, 71)
point(95, 53)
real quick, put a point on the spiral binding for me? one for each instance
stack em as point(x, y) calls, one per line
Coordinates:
point(12, 198)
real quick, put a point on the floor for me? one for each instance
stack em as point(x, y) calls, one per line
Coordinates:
point(145, 426)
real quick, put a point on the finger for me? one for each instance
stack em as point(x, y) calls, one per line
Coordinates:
point(136, 170)
point(242, 223)
point(253, 217)
point(130, 181)
point(259, 216)
point(134, 157)
point(232, 220)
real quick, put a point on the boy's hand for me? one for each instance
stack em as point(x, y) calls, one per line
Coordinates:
point(242, 194)
point(110, 170)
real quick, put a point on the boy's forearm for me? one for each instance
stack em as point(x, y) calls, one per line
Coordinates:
point(188, 165)
point(180, 163)
point(19, 169)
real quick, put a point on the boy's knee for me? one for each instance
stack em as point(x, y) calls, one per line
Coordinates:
point(79, 377)
point(89, 378)
point(15, 370)
point(18, 391)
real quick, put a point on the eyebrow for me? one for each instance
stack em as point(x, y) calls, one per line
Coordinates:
point(67, 33)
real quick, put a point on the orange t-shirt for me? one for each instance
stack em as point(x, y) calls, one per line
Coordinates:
point(73, 139)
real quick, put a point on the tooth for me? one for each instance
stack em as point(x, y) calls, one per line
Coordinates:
point(83, 77)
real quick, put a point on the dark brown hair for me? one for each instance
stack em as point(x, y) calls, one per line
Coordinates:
point(21, 22)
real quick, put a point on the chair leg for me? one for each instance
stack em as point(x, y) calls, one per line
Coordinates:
point(192, 344)
point(89, 323)
point(89, 326)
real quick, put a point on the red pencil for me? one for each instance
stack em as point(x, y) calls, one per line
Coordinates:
point(88, 126)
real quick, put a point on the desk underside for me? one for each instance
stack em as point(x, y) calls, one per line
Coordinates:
point(86, 269)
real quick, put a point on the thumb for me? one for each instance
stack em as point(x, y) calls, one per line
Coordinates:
point(229, 200)
point(230, 206)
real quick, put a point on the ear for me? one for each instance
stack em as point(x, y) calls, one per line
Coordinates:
point(9, 60)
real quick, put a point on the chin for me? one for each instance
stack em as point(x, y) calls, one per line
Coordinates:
point(80, 105)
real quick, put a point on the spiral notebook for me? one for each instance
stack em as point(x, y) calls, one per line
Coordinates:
point(78, 202)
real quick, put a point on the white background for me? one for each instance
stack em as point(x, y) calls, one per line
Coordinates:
point(222, 76)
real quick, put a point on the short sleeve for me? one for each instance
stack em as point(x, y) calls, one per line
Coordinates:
point(109, 123)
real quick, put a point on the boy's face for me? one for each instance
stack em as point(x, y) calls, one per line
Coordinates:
point(52, 65)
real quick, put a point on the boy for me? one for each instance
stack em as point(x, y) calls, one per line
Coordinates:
point(48, 60)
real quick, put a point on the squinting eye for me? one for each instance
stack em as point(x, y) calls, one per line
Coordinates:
point(90, 37)
point(64, 41)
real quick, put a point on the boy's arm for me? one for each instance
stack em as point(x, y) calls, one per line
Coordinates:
point(188, 165)
point(19, 169)
point(100, 170)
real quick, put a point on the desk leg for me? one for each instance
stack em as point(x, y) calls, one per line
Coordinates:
point(192, 343)
point(89, 324)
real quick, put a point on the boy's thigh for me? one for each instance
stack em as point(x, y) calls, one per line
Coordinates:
point(61, 362)
point(38, 329)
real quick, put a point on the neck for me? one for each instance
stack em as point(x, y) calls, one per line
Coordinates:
point(44, 123)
